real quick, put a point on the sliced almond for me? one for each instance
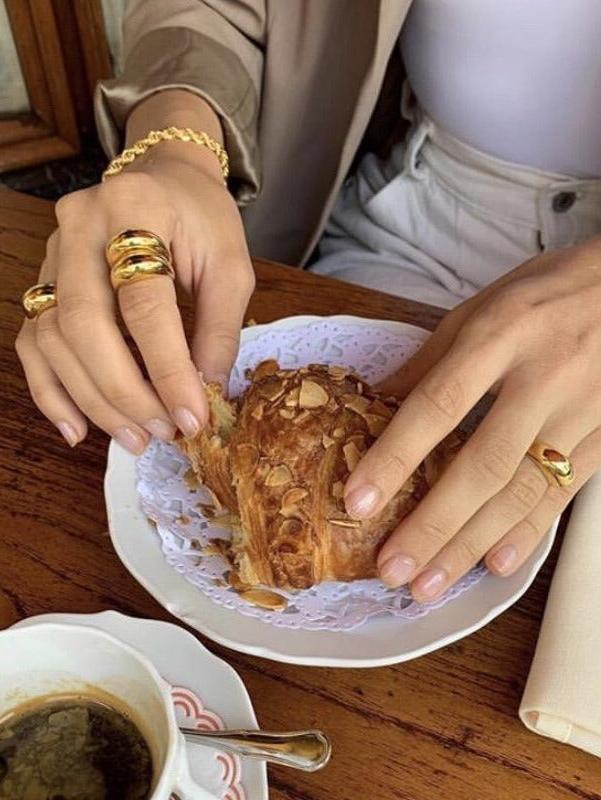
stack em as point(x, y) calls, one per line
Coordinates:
point(345, 523)
point(359, 387)
point(338, 433)
point(264, 598)
point(332, 405)
point(250, 322)
point(356, 403)
point(248, 456)
point(301, 417)
point(257, 412)
point(375, 425)
point(271, 391)
point(234, 581)
point(215, 442)
point(191, 480)
point(292, 398)
point(338, 490)
point(381, 409)
point(215, 500)
point(352, 455)
point(312, 395)
point(278, 476)
point(294, 496)
point(265, 368)
point(327, 441)
point(338, 373)
point(287, 413)
point(359, 440)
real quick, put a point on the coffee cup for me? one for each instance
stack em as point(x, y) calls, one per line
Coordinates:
point(50, 660)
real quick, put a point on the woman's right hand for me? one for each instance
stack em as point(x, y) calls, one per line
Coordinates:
point(77, 363)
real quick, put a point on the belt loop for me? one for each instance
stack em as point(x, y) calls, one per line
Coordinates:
point(411, 161)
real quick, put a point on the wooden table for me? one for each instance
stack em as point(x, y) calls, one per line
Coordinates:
point(444, 726)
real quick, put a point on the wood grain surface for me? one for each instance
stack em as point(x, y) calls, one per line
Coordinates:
point(444, 726)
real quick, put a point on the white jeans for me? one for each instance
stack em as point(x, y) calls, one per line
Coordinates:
point(440, 220)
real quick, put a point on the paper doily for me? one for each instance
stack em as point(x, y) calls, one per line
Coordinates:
point(173, 505)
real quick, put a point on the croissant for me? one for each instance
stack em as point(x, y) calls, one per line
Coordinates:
point(278, 458)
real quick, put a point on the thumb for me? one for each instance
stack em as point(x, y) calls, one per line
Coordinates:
point(221, 301)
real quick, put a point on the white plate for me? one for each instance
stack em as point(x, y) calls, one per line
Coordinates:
point(207, 694)
point(376, 643)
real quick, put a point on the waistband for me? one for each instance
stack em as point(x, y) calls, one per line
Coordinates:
point(513, 192)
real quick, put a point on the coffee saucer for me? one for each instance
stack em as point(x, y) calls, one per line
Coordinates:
point(207, 694)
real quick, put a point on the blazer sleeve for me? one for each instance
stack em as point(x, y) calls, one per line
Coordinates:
point(213, 48)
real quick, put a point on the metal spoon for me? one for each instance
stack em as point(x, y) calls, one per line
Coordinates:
point(306, 750)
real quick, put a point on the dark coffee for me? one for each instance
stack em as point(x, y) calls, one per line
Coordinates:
point(73, 749)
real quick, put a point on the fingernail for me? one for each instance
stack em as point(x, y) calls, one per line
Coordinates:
point(186, 421)
point(397, 571)
point(430, 583)
point(504, 559)
point(69, 433)
point(161, 429)
point(362, 501)
point(131, 440)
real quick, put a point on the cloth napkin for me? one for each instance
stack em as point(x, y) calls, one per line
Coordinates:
point(562, 698)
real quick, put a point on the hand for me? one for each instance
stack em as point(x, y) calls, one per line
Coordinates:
point(534, 338)
point(75, 359)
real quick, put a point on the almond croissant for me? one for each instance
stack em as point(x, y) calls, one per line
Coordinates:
point(278, 459)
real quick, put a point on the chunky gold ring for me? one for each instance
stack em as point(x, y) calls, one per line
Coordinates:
point(131, 269)
point(135, 241)
point(38, 298)
point(555, 466)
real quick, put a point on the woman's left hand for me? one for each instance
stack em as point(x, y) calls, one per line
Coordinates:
point(533, 338)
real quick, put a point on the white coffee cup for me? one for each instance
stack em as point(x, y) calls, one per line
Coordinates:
point(54, 659)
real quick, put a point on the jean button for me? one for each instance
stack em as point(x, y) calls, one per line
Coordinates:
point(563, 201)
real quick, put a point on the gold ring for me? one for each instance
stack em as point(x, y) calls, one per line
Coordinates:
point(137, 267)
point(554, 464)
point(132, 241)
point(38, 298)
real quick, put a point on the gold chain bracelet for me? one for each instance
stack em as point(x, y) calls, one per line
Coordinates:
point(171, 134)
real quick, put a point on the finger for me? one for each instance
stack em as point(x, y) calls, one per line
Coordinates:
point(487, 527)
point(220, 309)
point(510, 552)
point(86, 316)
point(432, 409)
point(46, 390)
point(82, 389)
point(485, 464)
point(149, 309)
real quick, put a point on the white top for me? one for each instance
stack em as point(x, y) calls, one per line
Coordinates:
point(518, 79)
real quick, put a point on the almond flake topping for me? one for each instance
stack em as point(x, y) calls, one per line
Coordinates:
point(278, 476)
point(312, 395)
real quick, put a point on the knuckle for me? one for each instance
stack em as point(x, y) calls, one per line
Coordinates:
point(75, 312)
point(48, 335)
point(394, 468)
point(528, 529)
point(494, 459)
point(434, 533)
point(526, 491)
point(467, 551)
point(170, 374)
point(558, 497)
point(70, 205)
point(445, 396)
point(141, 304)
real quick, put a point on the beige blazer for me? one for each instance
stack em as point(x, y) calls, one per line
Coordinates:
point(295, 83)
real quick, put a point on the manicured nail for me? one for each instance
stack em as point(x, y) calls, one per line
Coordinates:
point(504, 559)
point(430, 583)
point(69, 433)
point(131, 440)
point(362, 502)
point(397, 571)
point(161, 429)
point(186, 421)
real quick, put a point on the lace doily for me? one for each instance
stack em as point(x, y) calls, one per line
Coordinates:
point(174, 503)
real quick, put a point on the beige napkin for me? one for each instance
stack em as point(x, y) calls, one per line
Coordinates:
point(562, 698)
